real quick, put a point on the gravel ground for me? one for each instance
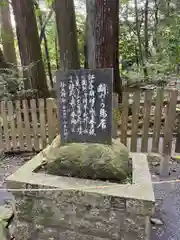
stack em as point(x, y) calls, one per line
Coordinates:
point(167, 193)
point(8, 165)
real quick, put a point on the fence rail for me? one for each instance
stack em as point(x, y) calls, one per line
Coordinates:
point(27, 125)
point(153, 116)
point(148, 121)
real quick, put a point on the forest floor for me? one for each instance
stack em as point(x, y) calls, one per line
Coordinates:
point(167, 193)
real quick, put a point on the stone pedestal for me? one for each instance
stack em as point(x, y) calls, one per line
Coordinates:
point(53, 207)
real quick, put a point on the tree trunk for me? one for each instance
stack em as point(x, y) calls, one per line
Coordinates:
point(29, 46)
point(56, 51)
point(7, 34)
point(3, 63)
point(85, 45)
point(156, 11)
point(139, 40)
point(178, 33)
point(45, 23)
point(146, 38)
point(47, 54)
point(103, 37)
point(40, 18)
point(168, 7)
point(67, 34)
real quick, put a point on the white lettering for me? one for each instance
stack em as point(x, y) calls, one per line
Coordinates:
point(102, 89)
point(102, 94)
point(92, 113)
point(63, 101)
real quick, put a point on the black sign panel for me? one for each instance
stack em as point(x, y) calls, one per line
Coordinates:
point(85, 105)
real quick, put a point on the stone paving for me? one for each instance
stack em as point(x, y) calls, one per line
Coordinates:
point(168, 210)
point(167, 193)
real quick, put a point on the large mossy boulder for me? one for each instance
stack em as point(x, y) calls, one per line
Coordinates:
point(88, 160)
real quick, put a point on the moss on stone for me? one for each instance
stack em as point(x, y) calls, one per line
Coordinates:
point(88, 160)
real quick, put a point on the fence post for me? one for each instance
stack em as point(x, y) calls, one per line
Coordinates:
point(147, 112)
point(135, 118)
point(168, 133)
point(124, 117)
point(157, 120)
point(42, 123)
point(35, 124)
point(177, 149)
point(27, 129)
point(5, 125)
point(52, 122)
point(115, 105)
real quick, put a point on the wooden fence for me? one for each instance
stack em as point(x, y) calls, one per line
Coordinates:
point(27, 125)
point(148, 122)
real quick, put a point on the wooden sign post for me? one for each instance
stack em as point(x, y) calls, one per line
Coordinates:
point(85, 105)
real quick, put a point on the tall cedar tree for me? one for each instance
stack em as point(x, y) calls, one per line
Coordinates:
point(138, 30)
point(103, 37)
point(67, 34)
point(29, 46)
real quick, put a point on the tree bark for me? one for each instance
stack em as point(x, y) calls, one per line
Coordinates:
point(103, 37)
point(90, 33)
point(178, 33)
point(56, 51)
point(29, 46)
point(85, 45)
point(40, 18)
point(47, 54)
point(146, 38)
point(139, 40)
point(3, 63)
point(7, 34)
point(67, 34)
point(43, 27)
point(156, 11)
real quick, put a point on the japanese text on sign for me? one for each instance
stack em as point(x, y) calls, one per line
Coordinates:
point(85, 106)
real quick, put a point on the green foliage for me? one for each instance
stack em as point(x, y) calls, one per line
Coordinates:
point(164, 42)
point(4, 3)
point(8, 82)
point(37, 12)
point(12, 85)
point(49, 3)
point(51, 38)
point(80, 20)
point(163, 39)
point(51, 35)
